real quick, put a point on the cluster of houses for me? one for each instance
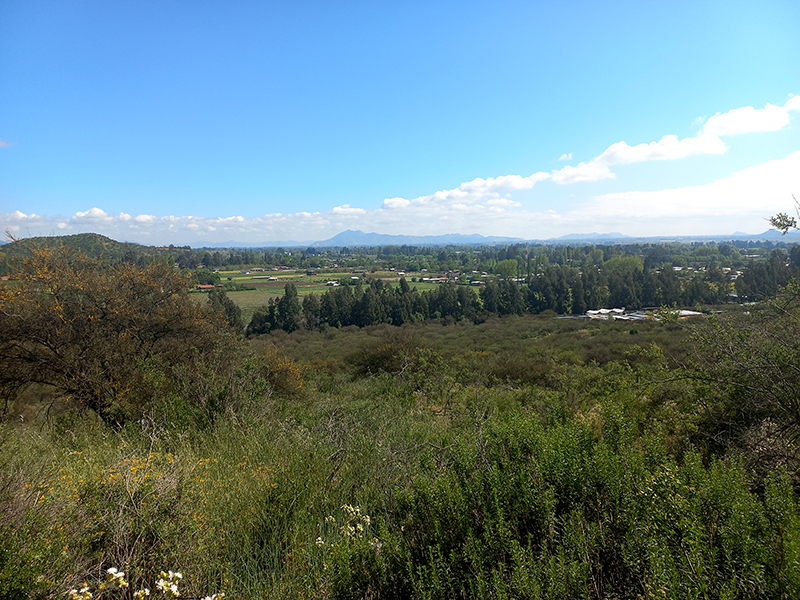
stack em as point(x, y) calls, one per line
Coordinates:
point(731, 274)
point(619, 314)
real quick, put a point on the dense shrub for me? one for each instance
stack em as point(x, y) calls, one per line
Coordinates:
point(509, 459)
point(81, 329)
point(526, 511)
point(748, 372)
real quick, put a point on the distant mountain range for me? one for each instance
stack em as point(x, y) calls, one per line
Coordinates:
point(233, 244)
point(593, 236)
point(112, 249)
point(359, 238)
point(355, 239)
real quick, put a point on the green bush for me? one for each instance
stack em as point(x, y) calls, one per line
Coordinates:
point(527, 510)
point(494, 461)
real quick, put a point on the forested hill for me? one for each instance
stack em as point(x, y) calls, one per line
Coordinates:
point(94, 245)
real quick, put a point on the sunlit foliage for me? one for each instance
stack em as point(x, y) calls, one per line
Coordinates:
point(360, 451)
point(80, 330)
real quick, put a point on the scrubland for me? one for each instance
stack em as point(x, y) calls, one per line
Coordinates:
point(519, 457)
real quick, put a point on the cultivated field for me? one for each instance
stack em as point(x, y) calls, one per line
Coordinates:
point(249, 300)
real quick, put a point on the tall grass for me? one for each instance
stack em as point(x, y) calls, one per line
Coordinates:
point(552, 480)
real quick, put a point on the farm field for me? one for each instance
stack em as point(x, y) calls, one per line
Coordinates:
point(249, 300)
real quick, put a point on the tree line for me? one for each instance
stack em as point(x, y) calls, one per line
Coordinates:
point(622, 282)
point(520, 259)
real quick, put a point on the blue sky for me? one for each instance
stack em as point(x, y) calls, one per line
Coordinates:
point(189, 121)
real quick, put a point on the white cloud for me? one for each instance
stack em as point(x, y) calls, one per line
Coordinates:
point(469, 192)
point(4, 144)
point(503, 205)
point(737, 121)
point(739, 202)
point(92, 215)
point(19, 217)
point(565, 156)
point(585, 171)
point(668, 148)
point(395, 203)
point(346, 209)
point(747, 120)
point(505, 182)
point(503, 202)
point(19, 221)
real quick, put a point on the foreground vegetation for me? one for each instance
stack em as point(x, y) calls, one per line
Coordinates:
point(520, 457)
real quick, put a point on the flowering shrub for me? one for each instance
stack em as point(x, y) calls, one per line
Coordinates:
point(354, 556)
point(81, 594)
point(167, 584)
point(285, 375)
point(354, 526)
point(116, 578)
point(81, 328)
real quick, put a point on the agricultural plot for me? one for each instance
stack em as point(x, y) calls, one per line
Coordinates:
point(265, 288)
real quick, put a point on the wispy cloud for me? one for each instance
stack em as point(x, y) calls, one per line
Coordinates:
point(504, 202)
point(565, 156)
point(738, 202)
point(346, 209)
point(742, 200)
point(668, 147)
point(4, 144)
point(748, 120)
point(496, 205)
point(585, 171)
point(734, 122)
point(470, 192)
